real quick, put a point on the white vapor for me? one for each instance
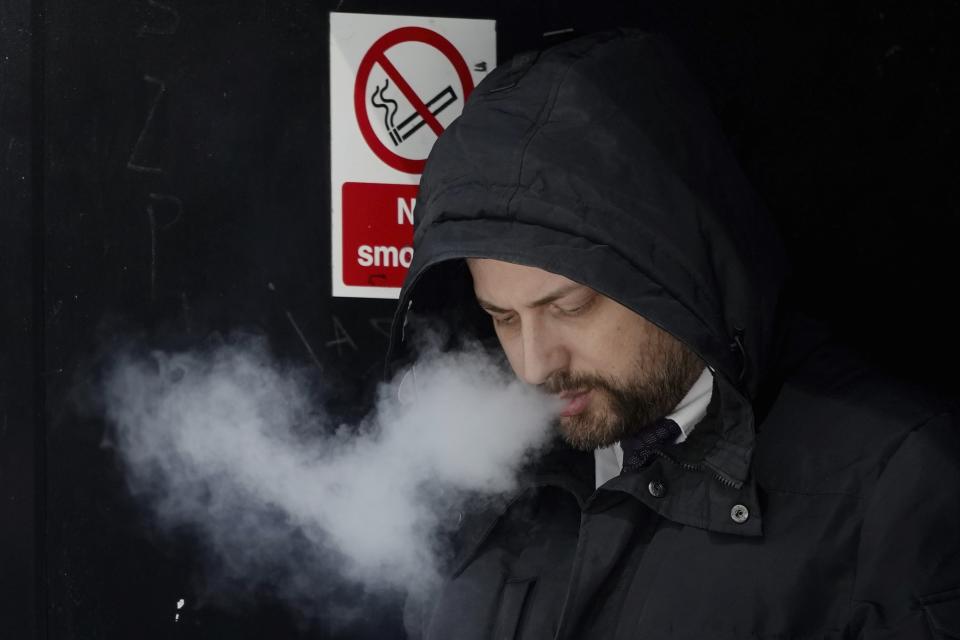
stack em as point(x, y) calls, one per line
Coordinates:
point(228, 445)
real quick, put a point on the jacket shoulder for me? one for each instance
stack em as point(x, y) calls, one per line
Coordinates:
point(835, 423)
point(908, 559)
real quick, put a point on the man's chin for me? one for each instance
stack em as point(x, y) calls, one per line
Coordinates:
point(585, 433)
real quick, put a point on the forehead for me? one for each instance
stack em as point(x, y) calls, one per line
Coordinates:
point(496, 278)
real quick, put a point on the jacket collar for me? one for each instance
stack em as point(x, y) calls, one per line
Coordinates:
point(693, 492)
point(704, 482)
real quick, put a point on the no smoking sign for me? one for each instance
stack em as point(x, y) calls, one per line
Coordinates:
point(396, 83)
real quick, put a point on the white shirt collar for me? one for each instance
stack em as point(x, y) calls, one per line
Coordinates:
point(688, 413)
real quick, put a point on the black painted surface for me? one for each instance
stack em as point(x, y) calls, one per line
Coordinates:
point(20, 435)
point(183, 161)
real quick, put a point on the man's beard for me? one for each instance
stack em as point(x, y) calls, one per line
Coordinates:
point(660, 381)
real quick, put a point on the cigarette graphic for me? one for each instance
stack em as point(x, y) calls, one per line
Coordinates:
point(413, 122)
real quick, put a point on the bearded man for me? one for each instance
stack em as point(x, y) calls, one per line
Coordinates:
point(726, 471)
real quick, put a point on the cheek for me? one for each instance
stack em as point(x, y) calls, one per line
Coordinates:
point(513, 350)
point(608, 348)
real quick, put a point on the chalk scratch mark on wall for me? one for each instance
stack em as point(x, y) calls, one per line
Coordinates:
point(57, 306)
point(166, 197)
point(381, 326)
point(341, 337)
point(296, 327)
point(303, 339)
point(133, 162)
point(152, 219)
point(172, 23)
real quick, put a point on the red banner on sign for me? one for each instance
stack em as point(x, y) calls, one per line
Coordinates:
point(377, 233)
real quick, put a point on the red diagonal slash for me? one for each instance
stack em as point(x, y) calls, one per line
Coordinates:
point(409, 93)
point(376, 55)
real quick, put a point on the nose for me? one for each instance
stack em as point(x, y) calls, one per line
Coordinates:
point(543, 353)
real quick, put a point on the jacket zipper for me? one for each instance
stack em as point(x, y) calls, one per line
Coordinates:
point(564, 610)
point(686, 466)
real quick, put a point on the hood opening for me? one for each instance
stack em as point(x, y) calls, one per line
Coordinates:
point(599, 160)
point(443, 307)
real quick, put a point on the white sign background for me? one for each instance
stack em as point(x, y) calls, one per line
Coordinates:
point(426, 70)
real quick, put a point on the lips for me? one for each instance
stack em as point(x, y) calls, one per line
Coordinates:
point(574, 402)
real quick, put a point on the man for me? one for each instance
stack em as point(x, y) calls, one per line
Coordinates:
point(726, 472)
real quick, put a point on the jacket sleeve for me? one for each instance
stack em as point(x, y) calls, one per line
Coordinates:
point(907, 585)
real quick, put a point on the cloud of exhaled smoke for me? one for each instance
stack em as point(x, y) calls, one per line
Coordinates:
point(228, 445)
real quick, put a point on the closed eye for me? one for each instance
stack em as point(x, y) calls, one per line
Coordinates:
point(578, 309)
point(571, 311)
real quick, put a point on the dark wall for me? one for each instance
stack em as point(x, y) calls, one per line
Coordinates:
point(165, 175)
point(21, 432)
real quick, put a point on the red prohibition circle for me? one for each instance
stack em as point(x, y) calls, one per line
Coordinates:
point(377, 55)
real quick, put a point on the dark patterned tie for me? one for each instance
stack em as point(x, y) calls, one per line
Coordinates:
point(638, 450)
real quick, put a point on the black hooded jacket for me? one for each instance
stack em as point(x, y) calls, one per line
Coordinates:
point(817, 499)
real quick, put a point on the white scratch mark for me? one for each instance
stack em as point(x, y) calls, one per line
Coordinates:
point(133, 166)
point(341, 337)
point(166, 197)
point(167, 31)
point(303, 339)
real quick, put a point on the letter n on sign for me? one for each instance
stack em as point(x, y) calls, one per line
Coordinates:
point(396, 84)
point(377, 233)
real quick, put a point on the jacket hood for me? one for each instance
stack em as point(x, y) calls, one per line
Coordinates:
point(599, 160)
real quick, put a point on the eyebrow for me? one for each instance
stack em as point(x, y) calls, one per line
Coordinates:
point(547, 299)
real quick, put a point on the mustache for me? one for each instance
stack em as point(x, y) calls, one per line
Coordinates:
point(566, 381)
